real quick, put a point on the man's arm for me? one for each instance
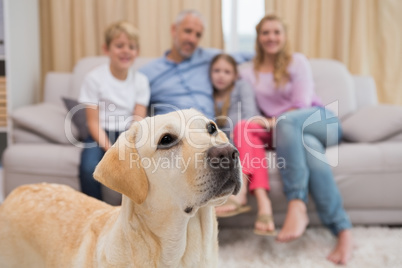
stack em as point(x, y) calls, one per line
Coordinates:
point(241, 57)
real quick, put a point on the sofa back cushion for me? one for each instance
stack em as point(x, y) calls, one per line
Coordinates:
point(334, 85)
point(57, 84)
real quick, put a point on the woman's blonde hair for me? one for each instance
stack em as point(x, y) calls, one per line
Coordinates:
point(282, 59)
point(222, 113)
point(118, 28)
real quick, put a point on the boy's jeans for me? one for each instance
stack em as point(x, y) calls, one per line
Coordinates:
point(90, 157)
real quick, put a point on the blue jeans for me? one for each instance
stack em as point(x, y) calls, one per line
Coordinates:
point(301, 139)
point(90, 157)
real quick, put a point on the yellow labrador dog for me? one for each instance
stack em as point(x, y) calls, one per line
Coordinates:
point(171, 169)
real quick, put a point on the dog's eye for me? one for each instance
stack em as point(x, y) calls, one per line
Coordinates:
point(166, 141)
point(211, 127)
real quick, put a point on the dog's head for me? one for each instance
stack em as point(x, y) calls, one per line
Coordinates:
point(180, 157)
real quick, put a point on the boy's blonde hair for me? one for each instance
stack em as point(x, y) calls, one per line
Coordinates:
point(118, 28)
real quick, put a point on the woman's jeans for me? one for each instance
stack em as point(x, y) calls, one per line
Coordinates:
point(301, 138)
point(90, 157)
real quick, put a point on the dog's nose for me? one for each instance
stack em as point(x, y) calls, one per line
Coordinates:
point(223, 156)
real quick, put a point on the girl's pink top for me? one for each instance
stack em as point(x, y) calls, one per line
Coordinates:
point(297, 93)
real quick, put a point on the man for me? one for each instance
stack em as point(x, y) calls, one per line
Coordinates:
point(180, 78)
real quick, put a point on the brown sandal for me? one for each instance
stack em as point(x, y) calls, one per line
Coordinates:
point(265, 219)
point(239, 209)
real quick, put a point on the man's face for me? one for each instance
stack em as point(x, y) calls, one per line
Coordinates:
point(187, 35)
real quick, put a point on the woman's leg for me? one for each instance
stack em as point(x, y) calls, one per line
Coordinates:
point(328, 200)
point(289, 146)
point(292, 146)
point(319, 128)
point(324, 190)
point(294, 172)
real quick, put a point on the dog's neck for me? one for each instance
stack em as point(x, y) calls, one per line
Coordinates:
point(172, 233)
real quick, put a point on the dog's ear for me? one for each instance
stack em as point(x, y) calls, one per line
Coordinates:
point(119, 173)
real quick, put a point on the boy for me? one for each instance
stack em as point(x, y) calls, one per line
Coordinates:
point(114, 95)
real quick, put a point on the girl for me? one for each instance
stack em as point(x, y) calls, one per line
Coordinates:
point(235, 103)
point(284, 87)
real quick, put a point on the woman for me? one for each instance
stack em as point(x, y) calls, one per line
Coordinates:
point(284, 88)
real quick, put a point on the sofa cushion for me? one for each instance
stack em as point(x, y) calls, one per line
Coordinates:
point(368, 175)
point(21, 135)
point(334, 85)
point(50, 163)
point(373, 123)
point(366, 92)
point(43, 160)
point(57, 84)
point(78, 117)
point(395, 138)
point(47, 120)
point(366, 158)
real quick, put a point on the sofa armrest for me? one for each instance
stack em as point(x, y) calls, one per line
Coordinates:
point(21, 135)
point(396, 138)
point(46, 120)
point(57, 85)
point(366, 92)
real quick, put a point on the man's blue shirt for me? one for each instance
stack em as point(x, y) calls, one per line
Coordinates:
point(184, 85)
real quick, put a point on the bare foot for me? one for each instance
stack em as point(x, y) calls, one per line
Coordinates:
point(264, 208)
point(296, 221)
point(342, 252)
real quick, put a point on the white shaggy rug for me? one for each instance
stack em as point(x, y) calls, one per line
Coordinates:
point(374, 247)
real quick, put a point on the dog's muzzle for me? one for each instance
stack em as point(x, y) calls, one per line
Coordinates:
point(224, 161)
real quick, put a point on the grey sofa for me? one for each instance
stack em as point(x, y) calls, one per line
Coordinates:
point(367, 165)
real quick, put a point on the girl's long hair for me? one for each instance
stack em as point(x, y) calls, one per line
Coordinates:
point(222, 113)
point(282, 59)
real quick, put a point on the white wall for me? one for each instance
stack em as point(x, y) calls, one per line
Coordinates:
point(22, 39)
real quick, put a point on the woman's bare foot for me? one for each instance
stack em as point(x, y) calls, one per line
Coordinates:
point(296, 221)
point(342, 252)
point(264, 208)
